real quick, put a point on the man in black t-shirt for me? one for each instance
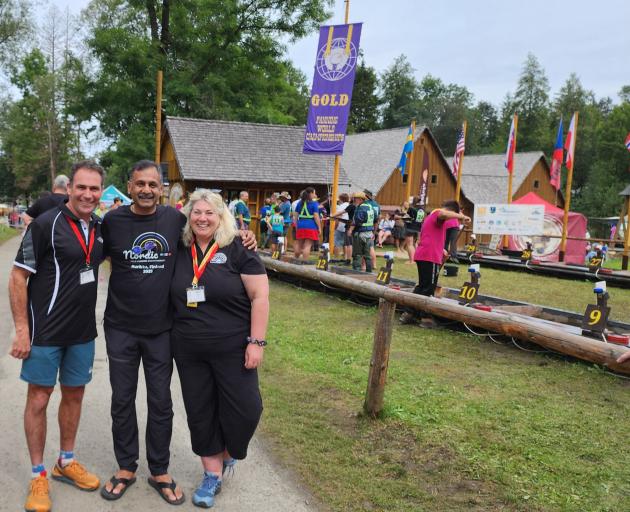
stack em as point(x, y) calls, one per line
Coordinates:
point(52, 288)
point(141, 241)
point(45, 203)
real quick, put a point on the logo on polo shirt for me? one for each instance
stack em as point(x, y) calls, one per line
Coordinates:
point(219, 258)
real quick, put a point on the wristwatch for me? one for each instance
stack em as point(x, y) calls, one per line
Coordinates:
point(255, 341)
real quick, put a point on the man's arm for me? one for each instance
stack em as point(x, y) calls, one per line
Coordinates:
point(27, 219)
point(18, 296)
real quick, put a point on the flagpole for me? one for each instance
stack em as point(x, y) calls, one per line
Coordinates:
point(506, 242)
point(335, 187)
point(410, 172)
point(567, 194)
point(461, 166)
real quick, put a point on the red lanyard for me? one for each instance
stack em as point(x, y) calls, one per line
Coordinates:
point(199, 269)
point(87, 250)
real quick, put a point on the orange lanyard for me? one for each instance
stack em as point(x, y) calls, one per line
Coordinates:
point(199, 269)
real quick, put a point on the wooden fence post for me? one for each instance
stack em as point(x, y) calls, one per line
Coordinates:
point(380, 358)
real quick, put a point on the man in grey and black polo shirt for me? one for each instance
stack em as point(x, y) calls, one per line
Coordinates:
point(52, 288)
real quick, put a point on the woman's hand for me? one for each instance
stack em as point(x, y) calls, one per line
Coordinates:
point(253, 356)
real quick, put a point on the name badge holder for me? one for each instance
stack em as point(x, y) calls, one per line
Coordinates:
point(195, 294)
point(86, 275)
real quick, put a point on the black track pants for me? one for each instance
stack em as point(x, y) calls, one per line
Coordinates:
point(125, 350)
point(221, 396)
point(428, 274)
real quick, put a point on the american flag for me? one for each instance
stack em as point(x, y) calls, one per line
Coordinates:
point(459, 150)
point(628, 142)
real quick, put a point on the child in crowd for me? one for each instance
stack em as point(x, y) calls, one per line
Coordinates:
point(275, 223)
point(385, 227)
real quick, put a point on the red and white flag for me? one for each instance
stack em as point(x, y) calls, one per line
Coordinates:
point(569, 143)
point(459, 150)
point(628, 142)
point(511, 146)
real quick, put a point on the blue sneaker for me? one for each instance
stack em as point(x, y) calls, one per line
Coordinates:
point(228, 465)
point(207, 490)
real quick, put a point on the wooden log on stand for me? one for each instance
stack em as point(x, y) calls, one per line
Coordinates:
point(524, 328)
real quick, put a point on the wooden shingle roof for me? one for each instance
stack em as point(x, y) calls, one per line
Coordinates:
point(210, 150)
point(369, 158)
point(485, 178)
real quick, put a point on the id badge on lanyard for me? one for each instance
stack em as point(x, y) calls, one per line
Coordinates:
point(196, 294)
point(86, 275)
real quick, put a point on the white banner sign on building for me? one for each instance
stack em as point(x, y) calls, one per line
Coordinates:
point(509, 219)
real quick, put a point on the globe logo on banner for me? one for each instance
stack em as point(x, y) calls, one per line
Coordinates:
point(337, 64)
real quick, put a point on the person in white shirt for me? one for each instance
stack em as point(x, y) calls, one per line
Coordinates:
point(385, 227)
point(343, 242)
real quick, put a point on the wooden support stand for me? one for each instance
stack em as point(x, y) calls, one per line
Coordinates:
point(380, 358)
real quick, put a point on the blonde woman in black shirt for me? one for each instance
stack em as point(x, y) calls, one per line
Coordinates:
point(219, 296)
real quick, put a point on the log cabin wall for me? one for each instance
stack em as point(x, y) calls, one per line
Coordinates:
point(441, 185)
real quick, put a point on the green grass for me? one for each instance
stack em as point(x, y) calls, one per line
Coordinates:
point(468, 424)
point(565, 294)
point(6, 233)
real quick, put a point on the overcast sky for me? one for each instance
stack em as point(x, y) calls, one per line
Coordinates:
point(482, 44)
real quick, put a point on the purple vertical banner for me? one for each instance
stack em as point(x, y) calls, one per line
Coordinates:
point(331, 95)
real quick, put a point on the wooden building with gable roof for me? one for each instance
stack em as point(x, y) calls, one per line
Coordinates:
point(485, 179)
point(235, 156)
point(370, 159)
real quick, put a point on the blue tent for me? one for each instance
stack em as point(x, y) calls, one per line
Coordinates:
point(110, 193)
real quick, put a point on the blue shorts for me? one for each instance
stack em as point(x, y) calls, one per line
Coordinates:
point(73, 363)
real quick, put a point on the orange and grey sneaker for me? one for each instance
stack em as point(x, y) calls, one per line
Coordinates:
point(38, 499)
point(76, 474)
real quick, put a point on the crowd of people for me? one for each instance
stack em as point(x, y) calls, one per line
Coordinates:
point(360, 225)
point(185, 286)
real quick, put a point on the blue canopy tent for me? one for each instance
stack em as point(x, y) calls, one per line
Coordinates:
point(110, 193)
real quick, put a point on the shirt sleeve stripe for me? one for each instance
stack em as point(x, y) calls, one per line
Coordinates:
point(25, 267)
point(28, 251)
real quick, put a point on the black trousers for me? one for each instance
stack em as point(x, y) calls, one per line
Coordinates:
point(125, 351)
point(428, 274)
point(221, 396)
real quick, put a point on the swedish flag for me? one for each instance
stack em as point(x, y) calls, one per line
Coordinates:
point(407, 149)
